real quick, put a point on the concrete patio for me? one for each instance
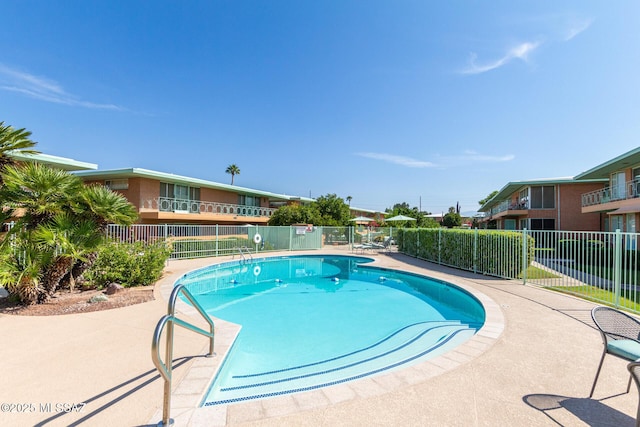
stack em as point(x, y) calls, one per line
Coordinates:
point(532, 365)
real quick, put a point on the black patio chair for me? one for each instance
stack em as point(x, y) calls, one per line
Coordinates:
point(634, 369)
point(620, 336)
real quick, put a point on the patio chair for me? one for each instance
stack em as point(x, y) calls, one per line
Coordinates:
point(620, 336)
point(634, 369)
point(386, 244)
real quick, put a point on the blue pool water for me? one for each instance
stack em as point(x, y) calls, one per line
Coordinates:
point(313, 321)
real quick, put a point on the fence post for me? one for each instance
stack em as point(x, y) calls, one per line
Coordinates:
point(439, 245)
point(351, 235)
point(475, 252)
point(524, 256)
point(217, 240)
point(617, 276)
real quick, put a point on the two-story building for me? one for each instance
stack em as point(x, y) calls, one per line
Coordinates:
point(164, 198)
point(617, 200)
point(543, 204)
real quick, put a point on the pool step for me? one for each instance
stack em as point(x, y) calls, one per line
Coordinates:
point(414, 342)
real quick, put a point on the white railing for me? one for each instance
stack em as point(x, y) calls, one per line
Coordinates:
point(630, 190)
point(599, 266)
point(508, 205)
point(168, 204)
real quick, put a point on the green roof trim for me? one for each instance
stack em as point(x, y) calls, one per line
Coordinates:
point(511, 187)
point(54, 161)
point(185, 180)
point(604, 170)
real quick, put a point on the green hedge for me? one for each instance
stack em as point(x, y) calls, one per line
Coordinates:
point(497, 253)
point(129, 264)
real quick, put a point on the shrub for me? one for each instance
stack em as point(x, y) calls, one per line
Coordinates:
point(496, 253)
point(130, 264)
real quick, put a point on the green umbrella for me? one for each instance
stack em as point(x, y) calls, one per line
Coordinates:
point(399, 218)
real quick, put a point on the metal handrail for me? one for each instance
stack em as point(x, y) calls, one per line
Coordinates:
point(242, 253)
point(170, 319)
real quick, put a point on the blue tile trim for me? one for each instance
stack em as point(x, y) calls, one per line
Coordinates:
point(327, 384)
point(353, 352)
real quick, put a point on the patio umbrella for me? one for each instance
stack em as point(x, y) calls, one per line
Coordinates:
point(399, 218)
point(361, 219)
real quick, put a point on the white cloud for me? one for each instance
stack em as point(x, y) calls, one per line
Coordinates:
point(398, 160)
point(445, 162)
point(44, 89)
point(577, 28)
point(472, 155)
point(521, 51)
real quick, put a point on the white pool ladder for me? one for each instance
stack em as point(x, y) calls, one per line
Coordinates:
point(169, 320)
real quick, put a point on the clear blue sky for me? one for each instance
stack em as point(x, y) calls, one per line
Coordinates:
point(385, 101)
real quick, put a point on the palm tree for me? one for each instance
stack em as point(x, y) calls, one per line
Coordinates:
point(13, 141)
point(39, 191)
point(70, 240)
point(233, 170)
point(349, 198)
point(101, 206)
point(21, 270)
point(62, 222)
point(104, 207)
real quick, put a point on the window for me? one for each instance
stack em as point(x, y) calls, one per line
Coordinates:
point(616, 223)
point(617, 186)
point(542, 223)
point(509, 224)
point(117, 184)
point(248, 200)
point(543, 197)
point(176, 197)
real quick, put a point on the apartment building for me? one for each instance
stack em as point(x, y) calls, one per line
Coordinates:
point(543, 204)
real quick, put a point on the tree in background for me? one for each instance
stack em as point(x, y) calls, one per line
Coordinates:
point(489, 197)
point(348, 199)
point(333, 210)
point(329, 210)
point(233, 170)
point(294, 214)
point(422, 220)
point(452, 218)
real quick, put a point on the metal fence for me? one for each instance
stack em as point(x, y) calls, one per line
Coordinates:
point(196, 241)
point(599, 266)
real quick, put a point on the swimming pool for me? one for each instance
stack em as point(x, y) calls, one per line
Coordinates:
point(313, 321)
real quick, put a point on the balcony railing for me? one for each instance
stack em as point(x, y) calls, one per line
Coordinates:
point(167, 204)
point(508, 205)
point(630, 190)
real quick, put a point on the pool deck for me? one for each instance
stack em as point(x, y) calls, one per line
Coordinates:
point(532, 364)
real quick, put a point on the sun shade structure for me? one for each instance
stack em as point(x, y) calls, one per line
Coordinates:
point(362, 219)
point(400, 218)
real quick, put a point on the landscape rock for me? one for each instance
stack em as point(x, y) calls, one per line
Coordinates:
point(113, 288)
